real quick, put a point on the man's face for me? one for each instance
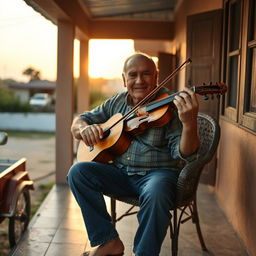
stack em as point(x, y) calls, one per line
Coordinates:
point(140, 77)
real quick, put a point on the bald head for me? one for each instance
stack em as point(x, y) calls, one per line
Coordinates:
point(138, 56)
point(139, 76)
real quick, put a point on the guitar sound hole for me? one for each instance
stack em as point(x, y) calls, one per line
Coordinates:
point(106, 134)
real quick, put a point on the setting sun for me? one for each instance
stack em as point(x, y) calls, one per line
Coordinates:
point(106, 57)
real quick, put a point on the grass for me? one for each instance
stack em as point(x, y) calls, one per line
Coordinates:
point(4, 247)
point(30, 134)
point(41, 193)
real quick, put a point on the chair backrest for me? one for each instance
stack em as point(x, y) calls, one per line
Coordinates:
point(209, 133)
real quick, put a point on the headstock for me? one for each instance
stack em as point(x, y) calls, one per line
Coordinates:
point(211, 89)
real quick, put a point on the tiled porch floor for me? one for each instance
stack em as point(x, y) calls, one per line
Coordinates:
point(57, 229)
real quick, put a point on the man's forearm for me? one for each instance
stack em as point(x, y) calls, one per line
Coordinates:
point(77, 126)
point(189, 142)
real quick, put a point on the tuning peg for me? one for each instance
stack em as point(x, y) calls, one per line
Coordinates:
point(210, 83)
point(218, 96)
point(212, 96)
point(206, 97)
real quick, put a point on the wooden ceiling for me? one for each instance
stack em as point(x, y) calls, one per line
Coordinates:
point(113, 19)
point(130, 9)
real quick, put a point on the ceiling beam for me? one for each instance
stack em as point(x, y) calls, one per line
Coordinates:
point(131, 29)
point(76, 13)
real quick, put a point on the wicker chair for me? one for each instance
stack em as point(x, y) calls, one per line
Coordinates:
point(186, 206)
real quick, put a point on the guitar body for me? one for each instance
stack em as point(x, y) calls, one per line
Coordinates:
point(113, 145)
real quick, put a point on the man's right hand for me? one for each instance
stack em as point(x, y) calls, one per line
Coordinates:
point(91, 134)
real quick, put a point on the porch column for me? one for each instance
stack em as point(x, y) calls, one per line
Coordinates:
point(83, 81)
point(64, 100)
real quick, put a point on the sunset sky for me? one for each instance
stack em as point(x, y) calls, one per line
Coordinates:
point(28, 39)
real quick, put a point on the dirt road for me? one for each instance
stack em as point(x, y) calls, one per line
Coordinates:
point(39, 151)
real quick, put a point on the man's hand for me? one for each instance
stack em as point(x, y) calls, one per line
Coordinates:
point(187, 105)
point(91, 134)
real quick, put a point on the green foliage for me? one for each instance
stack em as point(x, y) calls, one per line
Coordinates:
point(96, 98)
point(4, 82)
point(32, 73)
point(10, 103)
point(30, 135)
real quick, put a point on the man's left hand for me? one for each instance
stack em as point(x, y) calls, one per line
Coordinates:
point(187, 105)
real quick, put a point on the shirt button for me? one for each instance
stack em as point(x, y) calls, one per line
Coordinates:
point(128, 158)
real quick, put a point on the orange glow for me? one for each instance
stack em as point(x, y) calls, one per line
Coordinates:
point(106, 57)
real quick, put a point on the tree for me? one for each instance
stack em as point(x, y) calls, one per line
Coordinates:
point(32, 73)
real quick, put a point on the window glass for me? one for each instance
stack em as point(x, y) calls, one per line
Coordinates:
point(232, 81)
point(252, 23)
point(250, 99)
point(234, 25)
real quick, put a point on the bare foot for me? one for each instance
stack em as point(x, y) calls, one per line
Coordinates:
point(113, 247)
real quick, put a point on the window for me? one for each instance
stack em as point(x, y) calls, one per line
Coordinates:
point(232, 58)
point(239, 59)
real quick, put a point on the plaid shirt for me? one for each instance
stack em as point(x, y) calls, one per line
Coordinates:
point(156, 148)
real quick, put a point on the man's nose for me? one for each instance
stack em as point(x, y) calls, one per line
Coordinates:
point(139, 79)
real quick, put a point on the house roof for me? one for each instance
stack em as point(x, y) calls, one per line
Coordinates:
point(34, 84)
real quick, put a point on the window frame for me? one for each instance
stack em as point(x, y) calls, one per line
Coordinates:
point(246, 119)
point(229, 111)
point(239, 115)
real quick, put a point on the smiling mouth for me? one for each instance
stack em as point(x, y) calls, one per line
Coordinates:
point(140, 88)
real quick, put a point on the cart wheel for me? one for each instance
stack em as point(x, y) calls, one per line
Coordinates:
point(19, 221)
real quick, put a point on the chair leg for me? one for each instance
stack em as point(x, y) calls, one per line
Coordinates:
point(197, 223)
point(113, 210)
point(174, 233)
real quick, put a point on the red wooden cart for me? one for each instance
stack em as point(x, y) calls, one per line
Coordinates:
point(14, 195)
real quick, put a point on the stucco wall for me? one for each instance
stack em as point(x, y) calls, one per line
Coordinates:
point(236, 166)
point(23, 95)
point(236, 180)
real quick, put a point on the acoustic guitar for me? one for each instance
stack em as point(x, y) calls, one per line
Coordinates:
point(120, 129)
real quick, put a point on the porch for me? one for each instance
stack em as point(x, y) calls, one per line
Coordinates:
point(57, 229)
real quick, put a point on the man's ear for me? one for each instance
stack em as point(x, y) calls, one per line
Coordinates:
point(123, 76)
point(156, 77)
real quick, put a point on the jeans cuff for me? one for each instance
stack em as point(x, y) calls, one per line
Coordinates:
point(104, 239)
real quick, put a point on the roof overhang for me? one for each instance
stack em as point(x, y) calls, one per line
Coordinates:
point(125, 22)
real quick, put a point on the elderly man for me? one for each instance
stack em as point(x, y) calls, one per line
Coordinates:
point(148, 169)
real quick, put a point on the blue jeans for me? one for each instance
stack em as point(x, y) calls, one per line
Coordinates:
point(156, 191)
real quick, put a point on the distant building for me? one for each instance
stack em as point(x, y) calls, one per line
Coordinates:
point(25, 90)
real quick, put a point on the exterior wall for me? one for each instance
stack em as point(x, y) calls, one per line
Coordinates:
point(43, 122)
point(151, 48)
point(23, 95)
point(186, 8)
point(236, 180)
point(236, 166)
